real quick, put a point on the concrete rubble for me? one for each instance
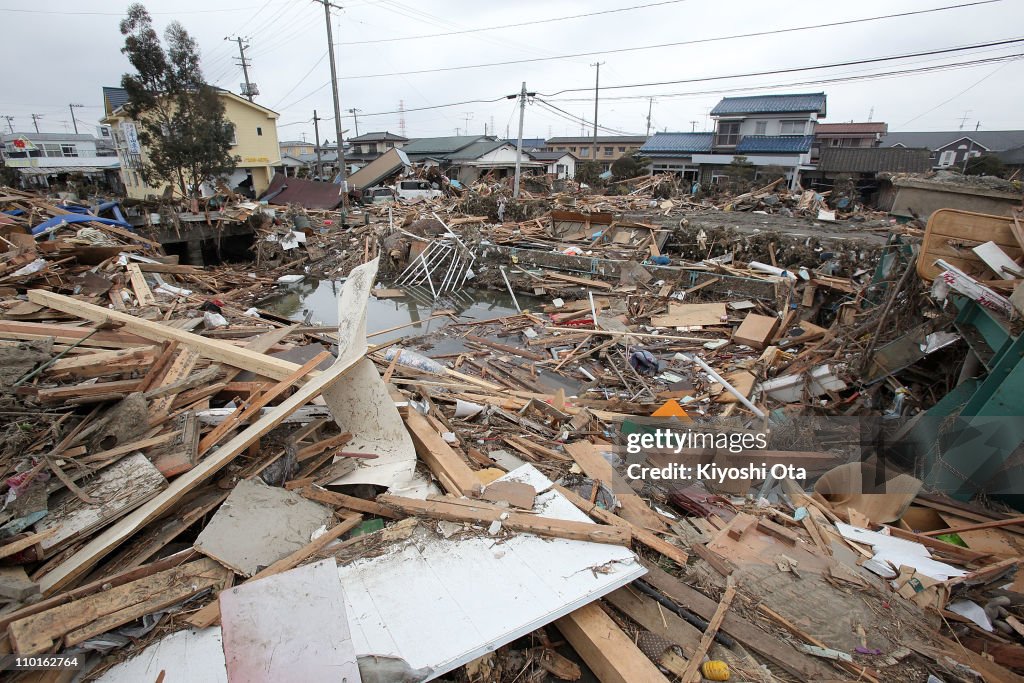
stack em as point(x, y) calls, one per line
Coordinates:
point(769, 436)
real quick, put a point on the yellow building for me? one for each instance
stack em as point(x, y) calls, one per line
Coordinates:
point(255, 145)
point(296, 148)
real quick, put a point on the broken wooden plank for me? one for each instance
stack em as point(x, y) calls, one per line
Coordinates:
point(516, 521)
point(348, 502)
point(655, 618)
point(690, 675)
point(609, 652)
point(453, 473)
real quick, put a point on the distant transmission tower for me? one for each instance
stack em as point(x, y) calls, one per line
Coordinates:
point(401, 118)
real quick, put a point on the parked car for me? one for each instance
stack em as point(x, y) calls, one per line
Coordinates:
point(416, 189)
point(378, 195)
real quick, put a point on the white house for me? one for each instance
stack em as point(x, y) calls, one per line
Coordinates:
point(562, 165)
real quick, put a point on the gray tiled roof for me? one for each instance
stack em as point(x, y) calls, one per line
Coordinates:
point(677, 144)
point(782, 144)
point(378, 137)
point(771, 104)
point(993, 140)
point(873, 160)
point(440, 146)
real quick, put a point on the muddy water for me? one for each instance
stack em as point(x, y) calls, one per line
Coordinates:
point(317, 301)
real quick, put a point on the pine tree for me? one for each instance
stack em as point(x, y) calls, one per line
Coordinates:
point(180, 117)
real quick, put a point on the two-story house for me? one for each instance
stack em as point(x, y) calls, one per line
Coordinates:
point(866, 134)
point(362, 149)
point(255, 144)
point(42, 158)
point(952, 148)
point(609, 147)
point(767, 130)
point(467, 158)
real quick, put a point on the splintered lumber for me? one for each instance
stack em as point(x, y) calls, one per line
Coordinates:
point(210, 614)
point(16, 546)
point(453, 473)
point(342, 500)
point(640, 534)
point(773, 649)
point(79, 620)
point(609, 652)
point(141, 287)
point(92, 552)
point(585, 281)
point(976, 527)
point(467, 511)
point(690, 674)
point(216, 349)
point(67, 334)
point(506, 349)
point(653, 617)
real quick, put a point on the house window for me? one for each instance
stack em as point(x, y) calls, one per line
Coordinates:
point(571, 149)
point(794, 127)
point(259, 131)
point(760, 127)
point(229, 128)
point(69, 150)
point(584, 151)
point(622, 149)
point(561, 170)
point(608, 151)
point(834, 142)
point(728, 133)
point(947, 158)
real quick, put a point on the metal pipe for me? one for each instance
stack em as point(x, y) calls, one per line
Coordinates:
point(509, 285)
point(730, 388)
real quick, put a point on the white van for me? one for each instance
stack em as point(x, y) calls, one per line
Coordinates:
point(416, 189)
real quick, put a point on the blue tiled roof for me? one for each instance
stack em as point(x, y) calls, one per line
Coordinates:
point(771, 104)
point(789, 144)
point(681, 144)
point(114, 98)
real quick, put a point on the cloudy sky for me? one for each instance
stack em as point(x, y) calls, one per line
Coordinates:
point(459, 51)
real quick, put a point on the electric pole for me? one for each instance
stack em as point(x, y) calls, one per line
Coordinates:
point(964, 119)
point(468, 115)
point(342, 176)
point(597, 85)
point(249, 90)
point(35, 120)
point(10, 123)
point(355, 117)
point(519, 146)
point(316, 131)
point(73, 120)
point(650, 104)
point(693, 126)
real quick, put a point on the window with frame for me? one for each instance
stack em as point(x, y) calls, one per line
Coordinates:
point(834, 142)
point(259, 131)
point(608, 151)
point(230, 130)
point(584, 151)
point(622, 149)
point(760, 127)
point(947, 158)
point(728, 133)
point(793, 127)
point(69, 150)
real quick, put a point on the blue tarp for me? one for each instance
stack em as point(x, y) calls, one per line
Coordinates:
point(78, 218)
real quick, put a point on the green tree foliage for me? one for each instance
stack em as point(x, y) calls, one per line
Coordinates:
point(986, 164)
point(589, 172)
point(629, 165)
point(180, 118)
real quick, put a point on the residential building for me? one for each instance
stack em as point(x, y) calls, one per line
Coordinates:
point(364, 148)
point(45, 158)
point(866, 134)
point(468, 157)
point(296, 148)
point(529, 144)
point(255, 145)
point(609, 147)
point(673, 153)
point(952, 148)
point(562, 165)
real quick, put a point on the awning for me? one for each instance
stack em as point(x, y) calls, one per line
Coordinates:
point(54, 170)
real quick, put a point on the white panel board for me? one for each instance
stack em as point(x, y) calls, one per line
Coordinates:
point(188, 656)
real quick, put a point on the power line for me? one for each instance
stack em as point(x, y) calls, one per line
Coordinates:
point(301, 80)
point(121, 14)
point(578, 119)
point(508, 26)
point(970, 87)
point(664, 45)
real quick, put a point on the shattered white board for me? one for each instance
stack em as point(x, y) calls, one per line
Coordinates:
point(288, 628)
point(362, 406)
point(439, 603)
point(189, 656)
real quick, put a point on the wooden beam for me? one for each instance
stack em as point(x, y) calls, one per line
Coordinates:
point(468, 511)
point(609, 652)
point(453, 473)
point(691, 675)
point(218, 350)
point(655, 618)
point(340, 500)
point(87, 556)
point(994, 524)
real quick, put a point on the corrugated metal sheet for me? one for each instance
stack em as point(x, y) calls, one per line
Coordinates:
point(771, 104)
point(873, 160)
point(786, 144)
point(868, 128)
point(308, 194)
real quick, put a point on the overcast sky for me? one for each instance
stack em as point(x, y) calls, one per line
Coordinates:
point(63, 51)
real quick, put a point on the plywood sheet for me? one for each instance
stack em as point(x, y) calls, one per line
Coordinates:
point(289, 628)
point(756, 331)
point(423, 600)
point(181, 657)
point(950, 235)
point(688, 315)
point(258, 525)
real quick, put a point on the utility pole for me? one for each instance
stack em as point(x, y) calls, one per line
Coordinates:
point(355, 117)
point(519, 146)
point(10, 123)
point(342, 179)
point(249, 90)
point(597, 85)
point(401, 118)
point(693, 126)
point(964, 119)
point(316, 131)
point(35, 120)
point(73, 120)
point(468, 115)
point(650, 104)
